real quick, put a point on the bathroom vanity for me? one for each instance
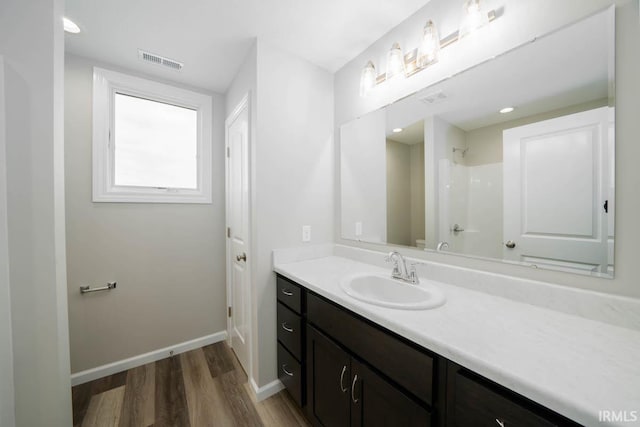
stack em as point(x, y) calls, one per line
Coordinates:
point(345, 370)
point(478, 360)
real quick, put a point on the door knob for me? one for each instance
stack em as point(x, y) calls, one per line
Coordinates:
point(510, 244)
point(242, 257)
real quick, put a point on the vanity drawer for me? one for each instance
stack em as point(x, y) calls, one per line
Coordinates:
point(290, 330)
point(475, 402)
point(289, 294)
point(401, 362)
point(290, 373)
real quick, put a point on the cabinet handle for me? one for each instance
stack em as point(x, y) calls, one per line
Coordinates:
point(287, 292)
point(353, 389)
point(284, 369)
point(500, 422)
point(343, 388)
point(286, 328)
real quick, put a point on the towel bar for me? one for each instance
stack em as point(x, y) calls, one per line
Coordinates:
point(87, 289)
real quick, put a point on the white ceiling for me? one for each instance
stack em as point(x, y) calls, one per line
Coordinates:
point(411, 135)
point(212, 37)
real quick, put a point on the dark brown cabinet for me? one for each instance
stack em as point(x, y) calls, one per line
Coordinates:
point(345, 370)
point(343, 391)
point(473, 401)
point(291, 360)
point(328, 381)
point(375, 402)
point(410, 367)
point(290, 373)
point(290, 331)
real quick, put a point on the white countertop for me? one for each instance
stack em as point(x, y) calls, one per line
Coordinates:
point(572, 365)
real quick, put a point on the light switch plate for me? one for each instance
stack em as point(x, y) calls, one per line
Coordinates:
point(358, 229)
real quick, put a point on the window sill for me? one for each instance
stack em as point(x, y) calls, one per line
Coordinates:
point(162, 196)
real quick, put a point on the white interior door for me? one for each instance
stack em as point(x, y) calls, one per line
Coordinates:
point(238, 271)
point(555, 187)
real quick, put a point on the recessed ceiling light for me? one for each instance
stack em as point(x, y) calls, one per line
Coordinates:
point(506, 110)
point(70, 26)
point(397, 130)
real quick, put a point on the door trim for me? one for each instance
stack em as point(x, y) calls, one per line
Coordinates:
point(242, 105)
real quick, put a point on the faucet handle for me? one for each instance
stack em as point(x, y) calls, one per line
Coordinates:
point(393, 257)
point(390, 255)
point(413, 274)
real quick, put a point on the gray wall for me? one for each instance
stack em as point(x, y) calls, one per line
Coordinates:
point(417, 193)
point(292, 175)
point(7, 402)
point(398, 193)
point(294, 170)
point(168, 259)
point(32, 43)
point(522, 20)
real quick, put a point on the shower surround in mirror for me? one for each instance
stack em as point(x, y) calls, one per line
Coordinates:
point(444, 168)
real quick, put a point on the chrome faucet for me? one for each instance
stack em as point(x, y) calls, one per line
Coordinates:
point(400, 270)
point(442, 246)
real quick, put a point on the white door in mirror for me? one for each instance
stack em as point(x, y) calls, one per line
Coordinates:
point(555, 190)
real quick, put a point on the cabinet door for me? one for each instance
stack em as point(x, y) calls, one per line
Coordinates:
point(375, 402)
point(328, 374)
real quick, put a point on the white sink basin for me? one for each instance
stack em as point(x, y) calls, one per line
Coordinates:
point(387, 292)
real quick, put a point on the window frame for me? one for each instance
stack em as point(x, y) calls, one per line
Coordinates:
point(106, 84)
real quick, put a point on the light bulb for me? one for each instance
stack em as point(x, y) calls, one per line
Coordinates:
point(429, 48)
point(367, 78)
point(473, 17)
point(70, 26)
point(395, 62)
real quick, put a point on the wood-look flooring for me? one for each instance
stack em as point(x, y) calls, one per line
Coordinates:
point(200, 388)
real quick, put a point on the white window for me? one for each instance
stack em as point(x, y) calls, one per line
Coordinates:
point(151, 141)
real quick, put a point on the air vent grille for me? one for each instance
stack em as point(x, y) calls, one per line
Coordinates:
point(432, 98)
point(160, 60)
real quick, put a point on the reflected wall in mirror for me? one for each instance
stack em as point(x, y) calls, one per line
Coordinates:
point(405, 186)
point(533, 184)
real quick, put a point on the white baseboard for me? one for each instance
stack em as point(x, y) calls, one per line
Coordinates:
point(142, 359)
point(266, 390)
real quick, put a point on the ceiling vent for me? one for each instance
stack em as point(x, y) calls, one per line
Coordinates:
point(160, 60)
point(432, 98)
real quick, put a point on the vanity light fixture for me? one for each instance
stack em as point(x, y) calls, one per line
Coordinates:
point(367, 78)
point(473, 17)
point(70, 26)
point(506, 110)
point(397, 130)
point(395, 62)
point(429, 48)
point(428, 51)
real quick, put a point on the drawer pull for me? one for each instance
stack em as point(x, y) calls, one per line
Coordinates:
point(343, 388)
point(287, 292)
point(353, 389)
point(286, 328)
point(500, 422)
point(284, 369)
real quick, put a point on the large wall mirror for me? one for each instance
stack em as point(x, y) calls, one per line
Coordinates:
point(512, 159)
